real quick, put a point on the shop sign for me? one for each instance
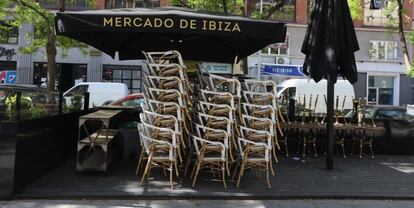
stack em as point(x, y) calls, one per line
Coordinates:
point(283, 70)
point(216, 68)
point(8, 53)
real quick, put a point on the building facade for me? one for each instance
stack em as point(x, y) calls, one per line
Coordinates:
point(381, 72)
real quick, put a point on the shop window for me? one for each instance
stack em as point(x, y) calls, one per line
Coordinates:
point(380, 90)
point(40, 73)
point(380, 13)
point(383, 50)
point(130, 75)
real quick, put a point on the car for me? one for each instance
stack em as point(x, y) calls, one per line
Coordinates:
point(134, 100)
point(398, 137)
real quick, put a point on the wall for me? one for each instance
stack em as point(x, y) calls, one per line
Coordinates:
point(406, 86)
point(360, 87)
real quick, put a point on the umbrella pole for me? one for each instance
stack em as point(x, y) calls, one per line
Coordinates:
point(329, 126)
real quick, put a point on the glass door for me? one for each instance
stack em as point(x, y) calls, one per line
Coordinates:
point(373, 95)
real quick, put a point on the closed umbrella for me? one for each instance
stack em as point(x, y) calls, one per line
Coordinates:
point(329, 46)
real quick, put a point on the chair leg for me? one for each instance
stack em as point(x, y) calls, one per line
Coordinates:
point(343, 149)
point(304, 147)
point(139, 162)
point(286, 147)
point(235, 170)
point(224, 174)
point(271, 168)
point(187, 163)
point(196, 173)
point(171, 175)
point(240, 174)
point(176, 168)
point(147, 167)
point(274, 154)
point(314, 147)
point(372, 151)
point(267, 175)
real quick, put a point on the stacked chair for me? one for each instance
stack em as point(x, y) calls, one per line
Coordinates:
point(224, 126)
point(165, 117)
point(259, 127)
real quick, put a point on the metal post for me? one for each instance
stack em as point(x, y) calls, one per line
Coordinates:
point(86, 101)
point(329, 125)
point(259, 57)
point(18, 106)
point(60, 102)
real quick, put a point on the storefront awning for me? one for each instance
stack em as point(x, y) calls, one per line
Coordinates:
point(283, 70)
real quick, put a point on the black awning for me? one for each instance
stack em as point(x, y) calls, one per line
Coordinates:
point(198, 36)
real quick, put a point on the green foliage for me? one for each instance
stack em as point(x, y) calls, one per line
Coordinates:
point(74, 105)
point(355, 8)
point(10, 102)
point(36, 112)
point(233, 6)
point(18, 12)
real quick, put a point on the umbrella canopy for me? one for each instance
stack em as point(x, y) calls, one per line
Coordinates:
point(329, 46)
point(330, 42)
point(198, 36)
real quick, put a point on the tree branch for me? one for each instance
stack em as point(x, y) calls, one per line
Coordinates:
point(273, 9)
point(21, 2)
point(184, 4)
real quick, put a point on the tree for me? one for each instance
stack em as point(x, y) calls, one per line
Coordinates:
point(238, 7)
point(17, 12)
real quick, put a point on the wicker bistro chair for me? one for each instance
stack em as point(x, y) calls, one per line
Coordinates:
point(164, 57)
point(212, 155)
point(222, 84)
point(160, 153)
point(167, 108)
point(257, 136)
point(170, 95)
point(254, 85)
point(263, 124)
point(165, 122)
point(254, 155)
point(219, 122)
point(218, 98)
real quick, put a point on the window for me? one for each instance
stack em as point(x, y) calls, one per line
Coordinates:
point(130, 75)
point(380, 90)
point(112, 4)
point(383, 50)
point(78, 90)
point(277, 48)
point(380, 13)
point(72, 4)
point(8, 34)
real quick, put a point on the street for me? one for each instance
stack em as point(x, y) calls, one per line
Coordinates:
point(206, 203)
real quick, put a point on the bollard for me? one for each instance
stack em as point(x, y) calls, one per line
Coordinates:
point(86, 101)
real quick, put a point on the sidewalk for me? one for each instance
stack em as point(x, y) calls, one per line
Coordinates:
point(385, 177)
point(206, 204)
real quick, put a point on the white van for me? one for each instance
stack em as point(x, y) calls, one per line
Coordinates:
point(300, 88)
point(99, 92)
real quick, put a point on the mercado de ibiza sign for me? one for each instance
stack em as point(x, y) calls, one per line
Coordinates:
point(167, 23)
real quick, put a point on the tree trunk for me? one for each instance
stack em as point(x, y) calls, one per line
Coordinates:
point(225, 6)
point(62, 5)
point(403, 41)
point(51, 61)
